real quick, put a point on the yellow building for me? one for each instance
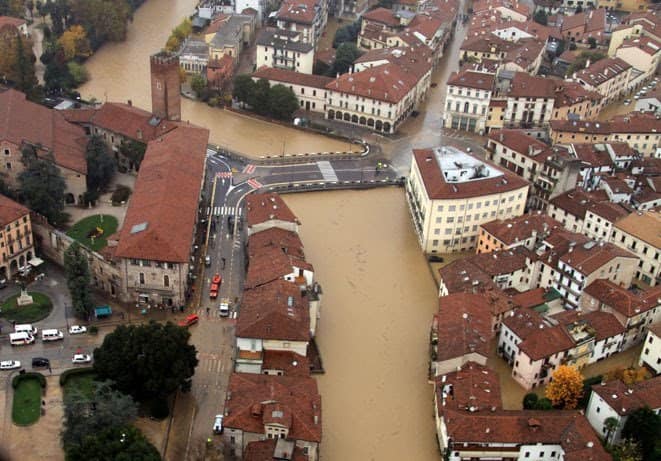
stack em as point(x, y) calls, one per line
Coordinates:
point(16, 242)
point(630, 6)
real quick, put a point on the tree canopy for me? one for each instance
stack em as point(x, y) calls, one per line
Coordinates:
point(17, 61)
point(346, 54)
point(198, 84)
point(134, 151)
point(644, 427)
point(100, 165)
point(42, 186)
point(147, 361)
point(282, 102)
point(348, 33)
point(114, 443)
point(74, 43)
point(582, 59)
point(77, 272)
point(541, 17)
point(178, 35)
point(275, 101)
point(566, 388)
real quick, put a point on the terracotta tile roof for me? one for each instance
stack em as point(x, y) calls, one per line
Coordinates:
point(425, 24)
point(299, 396)
point(625, 399)
point(463, 325)
point(591, 155)
point(576, 201)
point(581, 126)
point(289, 76)
point(528, 86)
point(24, 121)
point(487, 44)
point(272, 263)
point(530, 298)
point(518, 141)
point(290, 363)
point(511, 231)
point(287, 241)
point(502, 261)
point(299, 11)
point(275, 311)
point(627, 302)
point(604, 324)
point(590, 256)
point(325, 56)
point(415, 60)
point(523, 322)
point(470, 79)
point(655, 328)
point(646, 44)
point(463, 276)
point(131, 121)
point(609, 211)
point(616, 185)
point(437, 188)
point(267, 207)
point(387, 82)
point(636, 122)
point(216, 24)
point(382, 16)
point(525, 53)
point(602, 71)
point(11, 21)
point(162, 212)
point(10, 211)
point(473, 387)
point(545, 342)
point(569, 429)
point(574, 93)
point(265, 450)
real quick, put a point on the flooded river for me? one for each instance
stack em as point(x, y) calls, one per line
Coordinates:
point(379, 298)
point(120, 71)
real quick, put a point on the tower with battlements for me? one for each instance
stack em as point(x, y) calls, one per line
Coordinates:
point(165, 86)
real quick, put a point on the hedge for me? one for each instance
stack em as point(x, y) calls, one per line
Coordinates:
point(74, 371)
point(29, 375)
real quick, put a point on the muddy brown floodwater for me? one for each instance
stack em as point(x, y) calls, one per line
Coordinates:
point(120, 71)
point(379, 298)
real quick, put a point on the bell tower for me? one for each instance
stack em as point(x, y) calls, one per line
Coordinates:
point(165, 86)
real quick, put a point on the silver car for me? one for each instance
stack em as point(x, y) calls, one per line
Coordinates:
point(10, 364)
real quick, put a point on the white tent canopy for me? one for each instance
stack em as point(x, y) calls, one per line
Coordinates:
point(35, 262)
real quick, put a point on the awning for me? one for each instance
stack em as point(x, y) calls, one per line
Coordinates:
point(102, 311)
point(35, 262)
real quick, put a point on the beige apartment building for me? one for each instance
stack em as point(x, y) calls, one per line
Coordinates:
point(451, 193)
point(16, 242)
point(639, 233)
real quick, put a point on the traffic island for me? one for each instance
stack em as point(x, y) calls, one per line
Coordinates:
point(28, 391)
point(39, 309)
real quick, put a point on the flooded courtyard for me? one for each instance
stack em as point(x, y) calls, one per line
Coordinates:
point(120, 72)
point(379, 298)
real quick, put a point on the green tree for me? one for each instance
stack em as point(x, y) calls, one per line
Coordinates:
point(134, 151)
point(259, 99)
point(100, 165)
point(77, 272)
point(79, 74)
point(582, 59)
point(42, 188)
point(178, 35)
point(147, 361)
point(530, 400)
point(610, 424)
point(348, 33)
point(592, 42)
point(115, 443)
point(17, 61)
point(282, 102)
point(104, 20)
point(57, 76)
point(544, 404)
point(87, 414)
point(346, 54)
point(627, 450)
point(244, 87)
point(198, 84)
point(541, 17)
point(644, 426)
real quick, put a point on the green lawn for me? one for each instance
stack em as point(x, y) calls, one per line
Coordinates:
point(82, 382)
point(39, 310)
point(81, 230)
point(27, 402)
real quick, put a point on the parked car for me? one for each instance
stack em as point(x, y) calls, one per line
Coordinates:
point(3, 283)
point(81, 358)
point(40, 362)
point(218, 424)
point(207, 261)
point(190, 320)
point(10, 364)
point(77, 329)
point(224, 307)
point(627, 102)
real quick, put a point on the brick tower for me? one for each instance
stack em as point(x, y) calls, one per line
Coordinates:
point(165, 86)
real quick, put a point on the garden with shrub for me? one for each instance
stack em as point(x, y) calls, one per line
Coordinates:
point(93, 231)
point(28, 390)
point(40, 308)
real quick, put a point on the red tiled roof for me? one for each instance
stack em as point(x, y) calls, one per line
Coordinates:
point(463, 275)
point(271, 263)
point(655, 328)
point(299, 396)
point(603, 70)
point(275, 311)
point(267, 207)
point(528, 86)
point(625, 399)
point(589, 257)
point(288, 241)
point(511, 231)
point(523, 322)
point(646, 44)
point(581, 126)
point(289, 76)
point(609, 211)
point(530, 298)
point(11, 21)
point(264, 450)
point(382, 16)
point(573, 93)
point(165, 198)
point(545, 342)
point(473, 387)
point(24, 121)
point(299, 11)
point(290, 363)
point(626, 302)
point(463, 325)
point(438, 188)
point(387, 82)
point(518, 141)
point(415, 59)
point(604, 324)
point(470, 79)
point(635, 122)
point(577, 202)
point(10, 211)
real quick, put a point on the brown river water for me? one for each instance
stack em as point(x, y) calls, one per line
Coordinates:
point(379, 298)
point(379, 295)
point(120, 72)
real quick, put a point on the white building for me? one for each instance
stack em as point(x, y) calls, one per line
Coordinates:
point(310, 90)
point(650, 356)
point(284, 49)
point(451, 193)
point(467, 101)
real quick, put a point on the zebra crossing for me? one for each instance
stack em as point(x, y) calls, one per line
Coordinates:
point(254, 183)
point(327, 170)
point(249, 169)
point(224, 174)
point(213, 363)
point(223, 211)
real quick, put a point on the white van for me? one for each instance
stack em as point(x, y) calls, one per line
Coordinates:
point(26, 327)
point(51, 335)
point(20, 339)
